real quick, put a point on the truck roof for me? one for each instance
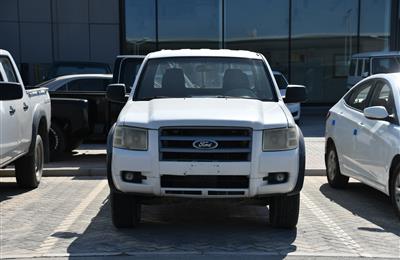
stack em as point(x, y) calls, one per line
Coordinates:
point(204, 53)
point(376, 54)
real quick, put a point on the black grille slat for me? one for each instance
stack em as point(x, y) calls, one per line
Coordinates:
point(205, 181)
point(176, 144)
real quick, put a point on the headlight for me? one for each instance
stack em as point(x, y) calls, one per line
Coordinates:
point(130, 138)
point(280, 139)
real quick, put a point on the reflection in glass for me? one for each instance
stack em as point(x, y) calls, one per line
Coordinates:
point(189, 24)
point(323, 39)
point(261, 26)
point(140, 26)
point(374, 25)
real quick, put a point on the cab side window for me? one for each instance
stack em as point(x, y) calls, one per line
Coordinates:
point(383, 96)
point(8, 69)
point(358, 98)
point(352, 69)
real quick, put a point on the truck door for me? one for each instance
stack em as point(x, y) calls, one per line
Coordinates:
point(9, 134)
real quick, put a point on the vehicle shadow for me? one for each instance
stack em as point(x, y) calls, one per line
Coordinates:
point(368, 203)
point(193, 228)
point(9, 189)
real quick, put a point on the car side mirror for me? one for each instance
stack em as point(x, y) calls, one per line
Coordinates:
point(365, 74)
point(116, 93)
point(376, 113)
point(10, 91)
point(295, 94)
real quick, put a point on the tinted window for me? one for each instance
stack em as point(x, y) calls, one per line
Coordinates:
point(88, 84)
point(352, 69)
point(332, 26)
point(129, 69)
point(8, 69)
point(140, 26)
point(383, 97)
point(261, 26)
point(205, 77)
point(359, 67)
point(68, 70)
point(60, 88)
point(358, 97)
point(189, 24)
point(374, 25)
point(367, 66)
point(385, 65)
point(281, 81)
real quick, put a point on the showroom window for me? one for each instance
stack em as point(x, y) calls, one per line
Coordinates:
point(189, 24)
point(140, 26)
point(324, 36)
point(374, 25)
point(261, 26)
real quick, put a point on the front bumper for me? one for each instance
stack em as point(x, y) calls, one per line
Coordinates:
point(261, 164)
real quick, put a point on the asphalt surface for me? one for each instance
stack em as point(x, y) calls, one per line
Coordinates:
point(70, 217)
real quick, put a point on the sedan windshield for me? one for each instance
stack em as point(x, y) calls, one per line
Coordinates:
point(205, 77)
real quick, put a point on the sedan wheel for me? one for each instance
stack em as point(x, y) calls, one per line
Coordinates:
point(335, 178)
point(395, 190)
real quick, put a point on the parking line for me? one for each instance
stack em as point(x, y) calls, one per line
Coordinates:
point(51, 241)
point(342, 236)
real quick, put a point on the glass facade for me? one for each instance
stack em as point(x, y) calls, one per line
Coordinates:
point(324, 36)
point(189, 24)
point(309, 41)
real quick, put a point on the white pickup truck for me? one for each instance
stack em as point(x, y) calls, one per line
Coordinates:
point(206, 124)
point(24, 124)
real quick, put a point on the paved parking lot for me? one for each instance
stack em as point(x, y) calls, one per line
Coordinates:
point(70, 216)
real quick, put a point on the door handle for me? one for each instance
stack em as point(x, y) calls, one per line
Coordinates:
point(12, 111)
point(361, 124)
point(25, 107)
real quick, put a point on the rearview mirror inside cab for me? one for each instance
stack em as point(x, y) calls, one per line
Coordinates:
point(10, 91)
point(116, 93)
point(295, 94)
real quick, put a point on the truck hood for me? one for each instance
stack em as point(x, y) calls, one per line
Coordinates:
point(204, 112)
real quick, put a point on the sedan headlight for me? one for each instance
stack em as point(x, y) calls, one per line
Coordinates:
point(280, 139)
point(130, 138)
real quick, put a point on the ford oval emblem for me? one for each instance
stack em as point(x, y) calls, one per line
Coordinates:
point(205, 144)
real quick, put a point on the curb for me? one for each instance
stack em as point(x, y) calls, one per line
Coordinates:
point(101, 171)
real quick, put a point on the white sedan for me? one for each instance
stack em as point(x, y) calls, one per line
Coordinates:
point(363, 136)
point(282, 82)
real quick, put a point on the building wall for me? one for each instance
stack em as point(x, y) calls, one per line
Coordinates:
point(310, 41)
point(39, 32)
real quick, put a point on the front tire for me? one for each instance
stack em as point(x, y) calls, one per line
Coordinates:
point(284, 211)
point(125, 210)
point(29, 168)
point(335, 178)
point(394, 187)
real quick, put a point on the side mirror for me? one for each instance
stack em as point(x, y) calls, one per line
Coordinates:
point(295, 94)
point(10, 91)
point(116, 93)
point(365, 74)
point(376, 113)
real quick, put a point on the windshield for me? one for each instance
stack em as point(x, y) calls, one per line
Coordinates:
point(281, 81)
point(205, 77)
point(385, 65)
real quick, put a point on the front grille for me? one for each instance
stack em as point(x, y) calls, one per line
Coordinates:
point(179, 144)
point(205, 181)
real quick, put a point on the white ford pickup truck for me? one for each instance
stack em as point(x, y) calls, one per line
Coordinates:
point(205, 124)
point(24, 124)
